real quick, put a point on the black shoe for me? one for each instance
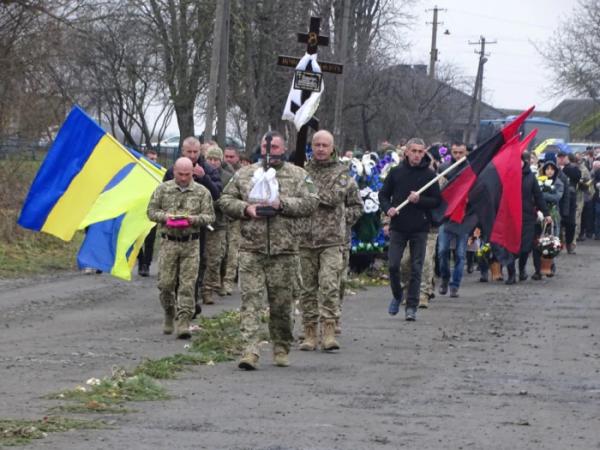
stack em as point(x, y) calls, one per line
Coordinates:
point(536, 276)
point(411, 314)
point(454, 292)
point(511, 279)
point(483, 278)
point(144, 271)
point(197, 310)
point(444, 287)
point(469, 268)
point(523, 276)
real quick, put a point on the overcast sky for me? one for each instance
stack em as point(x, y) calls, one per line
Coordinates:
point(515, 75)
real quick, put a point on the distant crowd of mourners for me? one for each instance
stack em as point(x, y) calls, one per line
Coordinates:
point(287, 233)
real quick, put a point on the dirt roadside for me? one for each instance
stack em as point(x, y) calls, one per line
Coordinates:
point(498, 368)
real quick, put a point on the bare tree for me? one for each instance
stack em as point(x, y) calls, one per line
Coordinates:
point(574, 52)
point(181, 30)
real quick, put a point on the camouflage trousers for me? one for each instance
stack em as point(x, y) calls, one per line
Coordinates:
point(215, 250)
point(177, 274)
point(260, 274)
point(233, 248)
point(427, 287)
point(320, 290)
point(344, 274)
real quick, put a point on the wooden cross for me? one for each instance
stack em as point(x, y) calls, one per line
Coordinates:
point(313, 39)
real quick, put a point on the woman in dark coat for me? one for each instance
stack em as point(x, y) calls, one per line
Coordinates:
point(532, 198)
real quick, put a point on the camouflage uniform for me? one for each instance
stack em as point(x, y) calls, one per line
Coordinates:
point(324, 238)
point(345, 264)
point(268, 251)
point(582, 193)
point(233, 248)
point(216, 249)
point(179, 255)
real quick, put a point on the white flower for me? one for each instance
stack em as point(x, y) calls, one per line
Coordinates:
point(365, 192)
point(357, 167)
point(545, 252)
point(370, 206)
point(548, 182)
point(93, 382)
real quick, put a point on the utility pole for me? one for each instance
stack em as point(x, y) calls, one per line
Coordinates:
point(214, 71)
point(223, 78)
point(433, 54)
point(470, 135)
point(339, 88)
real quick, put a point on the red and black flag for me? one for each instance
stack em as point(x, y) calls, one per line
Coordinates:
point(495, 201)
point(455, 194)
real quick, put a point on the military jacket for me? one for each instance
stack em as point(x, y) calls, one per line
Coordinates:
point(340, 205)
point(221, 220)
point(193, 201)
point(278, 234)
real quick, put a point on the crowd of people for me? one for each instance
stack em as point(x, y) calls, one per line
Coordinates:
point(284, 232)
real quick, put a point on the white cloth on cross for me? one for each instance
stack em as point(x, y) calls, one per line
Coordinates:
point(265, 187)
point(296, 111)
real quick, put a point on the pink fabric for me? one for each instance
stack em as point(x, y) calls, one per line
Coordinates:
point(178, 223)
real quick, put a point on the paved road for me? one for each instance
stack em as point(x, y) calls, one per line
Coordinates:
point(498, 368)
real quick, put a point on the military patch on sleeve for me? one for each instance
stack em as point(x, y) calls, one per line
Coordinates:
point(233, 178)
point(343, 181)
point(309, 184)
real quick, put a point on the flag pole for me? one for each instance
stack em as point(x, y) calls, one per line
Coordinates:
point(433, 181)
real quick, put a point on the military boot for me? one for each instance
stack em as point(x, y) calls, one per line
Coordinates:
point(183, 328)
point(338, 327)
point(310, 337)
point(329, 342)
point(248, 361)
point(168, 327)
point(424, 301)
point(207, 297)
point(280, 356)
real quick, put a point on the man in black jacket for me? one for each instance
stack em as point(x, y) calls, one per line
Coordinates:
point(208, 177)
point(411, 224)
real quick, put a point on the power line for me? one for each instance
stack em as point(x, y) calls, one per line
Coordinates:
point(499, 19)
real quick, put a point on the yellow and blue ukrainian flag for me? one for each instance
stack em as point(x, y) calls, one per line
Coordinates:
point(82, 161)
point(90, 181)
point(117, 224)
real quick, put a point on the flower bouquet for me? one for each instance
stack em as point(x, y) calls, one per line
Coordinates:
point(549, 246)
point(546, 184)
point(484, 253)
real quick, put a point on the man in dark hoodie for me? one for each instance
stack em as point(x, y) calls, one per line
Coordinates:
point(208, 177)
point(452, 232)
point(411, 224)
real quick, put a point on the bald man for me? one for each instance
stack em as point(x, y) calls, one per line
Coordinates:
point(323, 240)
point(180, 207)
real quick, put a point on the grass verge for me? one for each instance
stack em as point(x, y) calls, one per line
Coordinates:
point(20, 432)
point(364, 280)
point(169, 367)
point(220, 338)
point(109, 394)
point(37, 253)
